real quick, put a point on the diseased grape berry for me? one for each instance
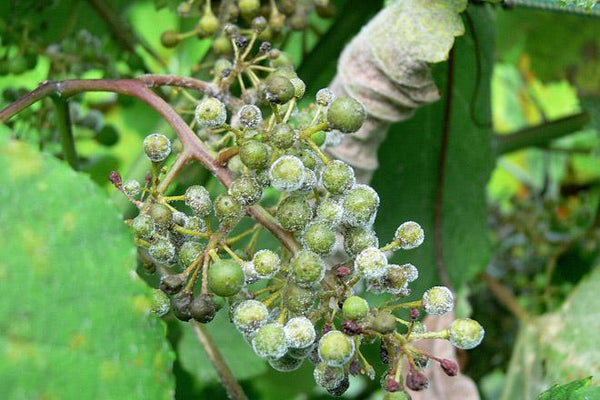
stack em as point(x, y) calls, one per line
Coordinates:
point(293, 213)
point(319, 237)
point(299, 333)
point(346, 114)
point(409, 235)
point(402, 395)
point(202, 309)
point(310, 182)
point(298, 299)
point(160, 303)
point(287, 173)
point(245, 190)
point(355, 308)
point(384, 322)
point(254, 154)
point(157, 147)
point(335, 348)
point(196, 224)
point(171, 284)
point(282, 136)
point(338, 177)
point(161, 215)
point(299, 87)
point(143, 226)
point(325, 97)
point(449, 367)
point(327, 376)
point(180, 304)
point(198, 199)
point(306, 268)
point(341, 388)
point(227, 209)
point(132, 188)
point(269, 341)
point(190, 251)
point(250, 315)
point(250, 275)
point(329, 211)
point(266, 263)
point(438, 300)
point(358, 239)
point(225, 277)
point(371, 263)
point(360, 206)
point(210, 113)
point(466, 333)
point(416, 380)
point(286, 363)
point(279, 89)
point(162, 251)
point(250, 116)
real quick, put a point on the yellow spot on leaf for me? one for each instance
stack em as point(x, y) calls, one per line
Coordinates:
point(35, 246)
point(141, 304)
point(78, 341)
point(23, 162)
point(18, 351)
point(109, 370)
point(68, 220)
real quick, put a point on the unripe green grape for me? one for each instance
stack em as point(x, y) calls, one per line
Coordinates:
point(325, 97)
point(222, 45)
point(143, 226)
point(198, 199)
point(287, 71)
point(328, 377)
point(319, 237)
point(358, 239)
point(225, 277)
point(466, 333)
point(282, 136)
point(299, 87)
point(438, 300)
point(254, 154)
point(318, 138)
point(250, 116)
point(310, 159)
point(248, 8)
point(132, 188)
point(402, 395)
point(329, 211)
point(371, 263)
point(210, 113)
point(249, 316)
point(287, 363)
point(306, 268)
point(169, 39)
point(287, 173)
point(293, 213)
point(283, 59)
point(245, 190)
point(227, 209)
point(160, 303)
point(297, 299)
point(346, 114)
point(279, 90)
point(409, 235)
point(208, 24)
point(184, 8)
point(266, 263)
point(360, 206)
point(161, 215)
point(157, 147)
point(269, 341)
point(202, 309)
point(107, 136)
point(299, 333)
point(190, 251)
point(196, 224)
point(259, 24)
point(162, 251)
point(335, 348)
point(338, 177)
point(384, 322)
point(355, 308)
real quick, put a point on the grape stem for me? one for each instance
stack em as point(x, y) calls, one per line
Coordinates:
point(194, 147)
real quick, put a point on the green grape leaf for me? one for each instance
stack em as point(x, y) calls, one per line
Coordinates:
point(74, 316)
point(237, 352)
point(558, 347)
point(567, 391)
point(409, 167)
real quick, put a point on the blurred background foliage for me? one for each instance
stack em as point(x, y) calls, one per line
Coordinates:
point(521, 224)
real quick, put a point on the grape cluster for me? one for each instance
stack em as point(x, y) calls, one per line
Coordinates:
point(269, 19)
point(296, 303)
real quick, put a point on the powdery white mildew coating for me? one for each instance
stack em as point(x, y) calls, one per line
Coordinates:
point(325, 97)
point(210, 113)
point(269, 341)
point(250, 315)
point(335, 348)
point(371, 263)
point(409, 235)
point(198, 199)
point(250, 116)
point(299, 332)
point(266, 263)
point(466, 333)
point(157, 147)
point(287, 173)
point(438, 300)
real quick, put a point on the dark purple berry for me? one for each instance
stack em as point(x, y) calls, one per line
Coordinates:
point(351, 328)
point(449, 367)
point(416, 380)
point(171, 284)
point(180, 303)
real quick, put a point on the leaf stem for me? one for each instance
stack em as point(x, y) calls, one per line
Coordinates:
point(65, 132)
